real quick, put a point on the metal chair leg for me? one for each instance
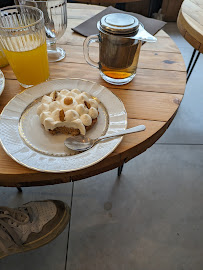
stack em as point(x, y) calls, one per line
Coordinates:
point(191, 69)
point(19, 189)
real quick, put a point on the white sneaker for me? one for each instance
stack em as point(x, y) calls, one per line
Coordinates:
point(31, 226)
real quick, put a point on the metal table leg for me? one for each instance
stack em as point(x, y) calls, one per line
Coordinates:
point(120, 6)
point(150, 8)
point(120, 168)
point(190, 69)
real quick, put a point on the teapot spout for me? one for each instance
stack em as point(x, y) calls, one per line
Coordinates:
point(143, 35)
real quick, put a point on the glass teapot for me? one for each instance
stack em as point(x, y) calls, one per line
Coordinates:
point(120, 38)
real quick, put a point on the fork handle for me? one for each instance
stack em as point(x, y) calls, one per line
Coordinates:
point(126, 131)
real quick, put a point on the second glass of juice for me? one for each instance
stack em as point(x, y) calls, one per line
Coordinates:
point(23, 38)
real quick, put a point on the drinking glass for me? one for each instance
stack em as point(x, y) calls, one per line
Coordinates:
point(3, 59)
point(55, 16)
point(23, 38)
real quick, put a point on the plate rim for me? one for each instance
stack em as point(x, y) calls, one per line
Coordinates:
point(119, 139)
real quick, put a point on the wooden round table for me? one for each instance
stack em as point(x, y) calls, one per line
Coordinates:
point(190, 25)
point(152, 99)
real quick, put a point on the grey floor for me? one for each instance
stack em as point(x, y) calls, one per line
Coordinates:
point(150, 218)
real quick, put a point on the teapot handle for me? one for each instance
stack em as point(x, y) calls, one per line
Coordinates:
point(87, 42)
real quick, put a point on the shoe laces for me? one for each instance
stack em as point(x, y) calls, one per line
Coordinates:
point(10, 220)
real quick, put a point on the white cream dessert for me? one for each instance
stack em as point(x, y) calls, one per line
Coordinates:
point(68, 111)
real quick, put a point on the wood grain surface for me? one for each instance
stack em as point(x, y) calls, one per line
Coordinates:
point(152, 99)
point(190, 23)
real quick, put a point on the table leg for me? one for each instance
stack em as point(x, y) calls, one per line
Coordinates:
point(150, 8)
point(190, 69)
point(120, 6)
point(19, 189)
point(120, 168)
point(191, 59)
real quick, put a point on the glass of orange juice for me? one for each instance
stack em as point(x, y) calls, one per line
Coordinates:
point(23, 39)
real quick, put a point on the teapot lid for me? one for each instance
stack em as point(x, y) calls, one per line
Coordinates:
point(119, 23)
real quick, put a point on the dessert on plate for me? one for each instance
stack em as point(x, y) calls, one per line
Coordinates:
point(68, 112)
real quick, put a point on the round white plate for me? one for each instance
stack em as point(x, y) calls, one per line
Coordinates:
point(2, 82)
point(25, 140)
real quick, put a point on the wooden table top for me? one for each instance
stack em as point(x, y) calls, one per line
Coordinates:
point(152, 99)
point(190, 23)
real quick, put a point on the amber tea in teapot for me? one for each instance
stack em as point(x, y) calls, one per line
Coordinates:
point(119, 61)
point(120, 39)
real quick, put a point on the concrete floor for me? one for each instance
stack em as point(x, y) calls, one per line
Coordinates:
point(150, 218)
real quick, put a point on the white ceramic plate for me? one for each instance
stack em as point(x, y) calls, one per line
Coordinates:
point(2, 82)
point(25, 140)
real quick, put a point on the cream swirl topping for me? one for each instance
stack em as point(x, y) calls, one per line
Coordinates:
point(67, 108)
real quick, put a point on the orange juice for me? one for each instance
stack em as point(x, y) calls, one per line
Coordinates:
point(3, 60)
point(30, 67)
